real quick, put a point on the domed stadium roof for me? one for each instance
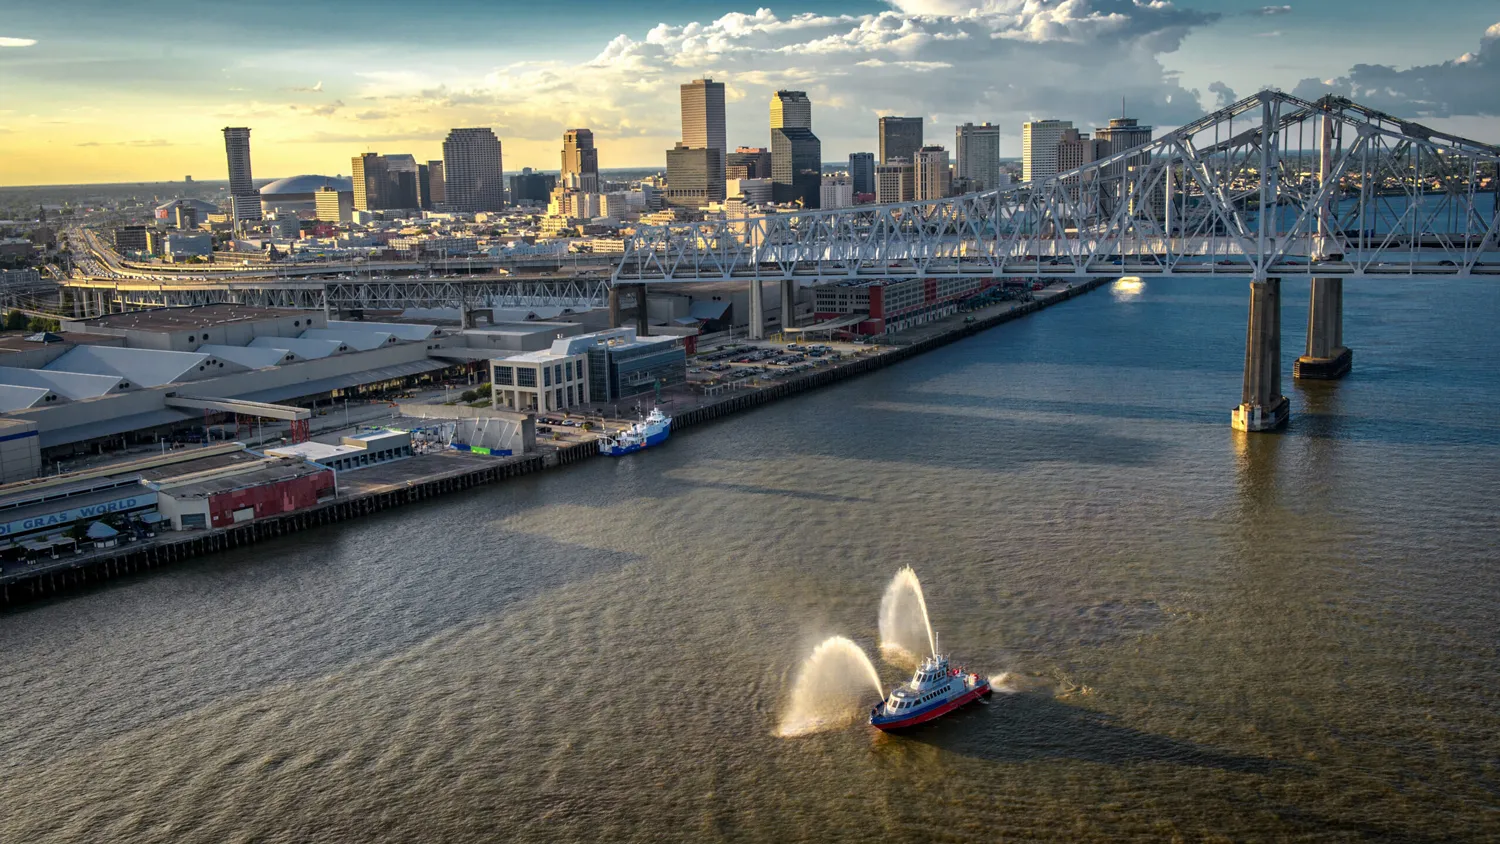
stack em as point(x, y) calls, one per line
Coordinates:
point(305, 185)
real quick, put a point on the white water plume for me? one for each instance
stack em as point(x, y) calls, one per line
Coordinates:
point(905, 632)
point(831, 688)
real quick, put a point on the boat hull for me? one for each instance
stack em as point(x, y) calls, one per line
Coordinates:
point(932, 713)
point(651, 439)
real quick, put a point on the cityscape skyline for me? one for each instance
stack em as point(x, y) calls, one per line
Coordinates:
point(81, 114)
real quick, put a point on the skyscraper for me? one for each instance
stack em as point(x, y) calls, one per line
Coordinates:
point(900, 137)
point(402, 190)
point(435, 183)
point(796, 153)
point(244, 198)
point(978, 151)
point(693, 176)
point(791, 110)
point(1123, 133)
point(1075, 149)
point(895, 182)
point(580, 159)
point(473, 173)
point(862, 171)
point(932, 177)
point(703, 117)
point(1039, 148)
point(748, 163)
point(370, 181)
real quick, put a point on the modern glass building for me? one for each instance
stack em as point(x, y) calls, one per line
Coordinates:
point(623, 365)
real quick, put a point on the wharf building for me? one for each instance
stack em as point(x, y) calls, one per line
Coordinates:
point(888, 305)
point(46, 518)
point(244, 199)
point(796, 153)
point(123, 378)
point(862, 172)
point(594, 368)
point(900, 137)
point(978, 151)
point(1039, 139)
point(473, 171)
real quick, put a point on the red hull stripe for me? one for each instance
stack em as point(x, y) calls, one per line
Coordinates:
point(935, 712)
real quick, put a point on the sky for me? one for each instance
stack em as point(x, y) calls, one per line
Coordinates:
point(103, 91)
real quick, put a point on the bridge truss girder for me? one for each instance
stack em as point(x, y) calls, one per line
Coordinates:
point(1271, 185)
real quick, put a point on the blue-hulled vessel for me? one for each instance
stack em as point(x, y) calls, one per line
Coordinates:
point(653, 430)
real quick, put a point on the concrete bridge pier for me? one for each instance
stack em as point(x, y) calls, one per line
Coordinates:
point(1327, 357)
point(1262, 406)
point(757, 311)
point(788, 304)
point(614, 306)
point(642, 323)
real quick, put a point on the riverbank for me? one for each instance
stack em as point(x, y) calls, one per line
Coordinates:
point(423, 477)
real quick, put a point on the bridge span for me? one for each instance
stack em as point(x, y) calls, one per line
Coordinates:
point(1269, 188)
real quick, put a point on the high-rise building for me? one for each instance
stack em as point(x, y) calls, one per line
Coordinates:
point(796, 153)
point(424, 187)
point(402, 191)
point(748, 163)
point(473, 172)
point(932, 177)
point(371, 181)
point(837, 192)
point(1039, 148)
point(895, 182)
point(435, 183)
point(1074, 150)
point(1123, 133)
point(531, 186)
point(791, 110)
point(703, 117)
point(978, 151)
point(693, 176)
point(334, 205)
point(862, 171)
point(580, 160)
point(244, 198)
point(900, 137)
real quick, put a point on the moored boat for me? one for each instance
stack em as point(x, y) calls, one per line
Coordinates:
point(653, 430)
point(935, 689)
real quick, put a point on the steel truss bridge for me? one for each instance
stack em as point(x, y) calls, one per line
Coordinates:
point(1268, 188)
point(97, 296)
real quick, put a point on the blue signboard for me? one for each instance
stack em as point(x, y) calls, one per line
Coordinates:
point(73, 514)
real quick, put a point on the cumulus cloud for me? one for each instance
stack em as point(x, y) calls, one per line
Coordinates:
point(1464, 86)
point(1225, 95)
point(951, 61)
point(16, 42)
point(1269, 11)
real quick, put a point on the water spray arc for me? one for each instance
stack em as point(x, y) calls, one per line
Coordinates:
point(905, 631)
point(830, 689)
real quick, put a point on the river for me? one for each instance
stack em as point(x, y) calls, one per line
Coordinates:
point(1205, 632)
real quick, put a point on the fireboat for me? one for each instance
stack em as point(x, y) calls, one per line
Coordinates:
point(935, 690)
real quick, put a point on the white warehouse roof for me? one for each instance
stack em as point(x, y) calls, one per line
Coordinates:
point(71, 385)
point(141, 367)
point(250, 357)
point(305, 349)
point(362, 341)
